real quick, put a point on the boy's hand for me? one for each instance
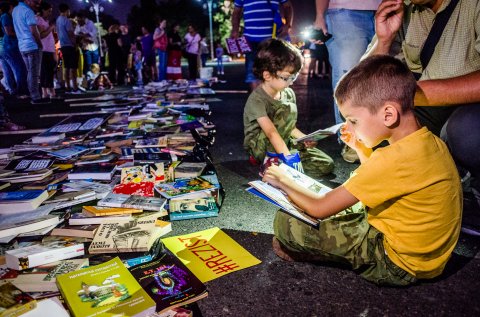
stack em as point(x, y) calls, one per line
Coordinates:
point(273, 175)
point(350, 139)
point(310, 144)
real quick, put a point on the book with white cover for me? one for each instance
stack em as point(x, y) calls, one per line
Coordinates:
point(137, 202)
point(22, 200)
point(11, 229)
point(280, 199)
point(320, 134)
point(48, 307)
point(38, 254)
point(79, 219)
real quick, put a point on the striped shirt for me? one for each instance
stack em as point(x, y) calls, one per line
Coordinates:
point(258, 18)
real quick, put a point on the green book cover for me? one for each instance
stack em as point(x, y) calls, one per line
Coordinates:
point(107, 289)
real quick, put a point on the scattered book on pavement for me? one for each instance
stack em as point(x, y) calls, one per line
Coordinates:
point(93, 172)
point(15, 228)
point(14, 302)
point(20, 201)
point(181, 209)
point(136, 202)
point(189, 169)
point(80, 219)
point(85, 231)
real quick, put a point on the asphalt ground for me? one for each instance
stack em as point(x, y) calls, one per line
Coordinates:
point(275, 287)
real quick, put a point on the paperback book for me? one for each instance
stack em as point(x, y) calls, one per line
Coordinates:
point(181, 209)
point(107, 289)
point(237, 46)
point(136, 202)
point(21, 201)
point(189, 169)
point(79, 219)
point(169, 282)
point(135, 235)
point(184, 187)
point(14, 302)
point(320, 134)
point(140, 180)
point(93, 172)
point(96, 211)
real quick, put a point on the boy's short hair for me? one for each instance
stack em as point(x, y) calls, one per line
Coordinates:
point(63, 7)
point(376, 80)
point(275, 55)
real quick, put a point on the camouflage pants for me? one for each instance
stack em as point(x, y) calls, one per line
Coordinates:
point(315, 162)
point(345, 238)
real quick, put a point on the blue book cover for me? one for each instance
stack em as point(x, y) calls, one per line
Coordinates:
point(21, 195)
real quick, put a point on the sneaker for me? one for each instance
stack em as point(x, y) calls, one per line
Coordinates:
point(41, 101)
point(350, 155)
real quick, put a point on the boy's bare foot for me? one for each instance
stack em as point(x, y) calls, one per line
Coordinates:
point(291, 256)
point(280, 252)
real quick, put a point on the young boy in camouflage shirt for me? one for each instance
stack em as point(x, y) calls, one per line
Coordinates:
point(410, 191)
point(270, 114)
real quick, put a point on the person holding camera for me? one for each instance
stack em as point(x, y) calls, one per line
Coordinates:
point(351, 25)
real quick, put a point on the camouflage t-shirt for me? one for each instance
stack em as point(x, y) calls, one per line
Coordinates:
point(283, 113)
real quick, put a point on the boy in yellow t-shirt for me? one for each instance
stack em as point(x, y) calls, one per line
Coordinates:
point(411, 200)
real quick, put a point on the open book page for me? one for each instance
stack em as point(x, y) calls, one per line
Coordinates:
point(279, 198)
point(320, 134)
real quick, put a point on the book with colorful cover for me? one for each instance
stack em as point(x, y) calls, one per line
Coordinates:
point(14, 302)
point(96, 211)
point(135, 235)
point(181, 209)
point(140, 180)
point(107, 289)
point(184, 187)
point(169, 282)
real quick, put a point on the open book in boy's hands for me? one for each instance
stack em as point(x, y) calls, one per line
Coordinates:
point(320, 134)
point(280, 199)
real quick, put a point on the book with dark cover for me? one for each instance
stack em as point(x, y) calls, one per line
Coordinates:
point(169, 282)
point(95, 172)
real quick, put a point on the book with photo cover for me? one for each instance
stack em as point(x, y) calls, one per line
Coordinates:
point(169, 282)
point(107, 289)
point(134, 235)
point(181, 209)
point(280, 199)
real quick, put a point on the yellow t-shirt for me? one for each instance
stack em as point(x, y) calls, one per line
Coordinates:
point(414, 195)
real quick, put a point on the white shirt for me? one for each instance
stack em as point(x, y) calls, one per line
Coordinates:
point(90, 29)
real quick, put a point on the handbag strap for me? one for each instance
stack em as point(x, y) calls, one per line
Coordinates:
point(438, 26)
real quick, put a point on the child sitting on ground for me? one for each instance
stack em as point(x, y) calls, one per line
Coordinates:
point(97, 80)
point(408, 222)
point(270, 114)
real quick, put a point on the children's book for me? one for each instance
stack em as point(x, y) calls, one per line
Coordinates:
point(39, 254)
point(107, 289)
point(169, 282)
point(136, 202)
point(22, 200)
point(181, 209)
point(14, 302)
point(280, 199)
point(184, 187)
point(320, 134)
point(140, 180)
point(135, 235)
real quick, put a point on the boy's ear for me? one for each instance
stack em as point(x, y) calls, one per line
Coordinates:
point(266, 75)
point(391, 116)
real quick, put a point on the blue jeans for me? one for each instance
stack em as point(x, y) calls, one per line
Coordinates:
point(162, 64)
point(219, 64)
point(15, 72)
point(33, 60)
point(249, 59)
point(352, 31)
point(89, 58)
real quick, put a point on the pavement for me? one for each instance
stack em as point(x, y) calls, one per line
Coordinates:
point(275, 287)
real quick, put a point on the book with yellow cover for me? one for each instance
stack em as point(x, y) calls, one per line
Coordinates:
point(107, 289)
point(97, 211)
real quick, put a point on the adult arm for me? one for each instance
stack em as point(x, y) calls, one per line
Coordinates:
point(236, 17)
point(44, 31)
point(9, 30)
point(273, 136)
point(36, 35)
point(388, 20)
point(449, 91)
point(316, 205)
point(158, 33)
point(321, 7)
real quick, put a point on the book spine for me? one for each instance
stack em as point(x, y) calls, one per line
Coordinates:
point(49, 256)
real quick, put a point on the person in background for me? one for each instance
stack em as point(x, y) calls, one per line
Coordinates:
point(30, 45)
point(219, 56)
point(66, 37)
point(262, 21)
point(49, 62)
point(96, 80)
point(351, 24)
point(204, 52)
point(174, 66)
point(160, 43)
point(114, 51)
point(192, 39)
point(125, 42)
point(137, 64)
point(270, 114)
point(14, 71)
point(86, 33)
point(149, 70)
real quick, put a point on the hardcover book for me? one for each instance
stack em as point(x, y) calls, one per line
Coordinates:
point(39, 254)
point(169, 282)
point(107, 289)
point(137, 202)
point(14, 302)
point(280, 199)
point(136, 235)
point(181, 209)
